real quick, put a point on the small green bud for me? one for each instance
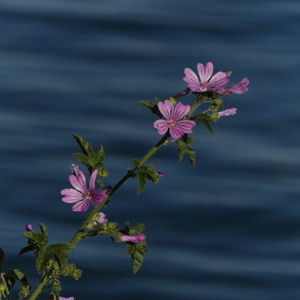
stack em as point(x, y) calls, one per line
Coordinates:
point(217, 101)
point(103, 172)
point(214, 117)
point(173, 100)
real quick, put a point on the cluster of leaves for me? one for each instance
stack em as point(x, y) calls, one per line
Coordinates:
point(111, 229)
point(8, 280)
point(51, 260)
point(91, 159)
point(144, 173)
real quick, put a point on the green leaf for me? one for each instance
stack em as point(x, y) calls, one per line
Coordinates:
point(141, 178)
point(152, 106)
point(205, 119)
point(40, 259)
point(136, 251)
point(25, 287)
point(146, 173)
point(184, 148)
point(72, 270)
point(36, 237)
point(85, 146)
point(89, 158)
point(135, 162)
point(147, 104)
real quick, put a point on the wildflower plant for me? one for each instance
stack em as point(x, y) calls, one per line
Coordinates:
point(176, 121)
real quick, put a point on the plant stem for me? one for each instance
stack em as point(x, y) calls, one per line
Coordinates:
point(39, 288)
point(78, 235)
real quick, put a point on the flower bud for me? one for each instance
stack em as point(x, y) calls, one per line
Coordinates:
point(103, 172)
point(28, 227)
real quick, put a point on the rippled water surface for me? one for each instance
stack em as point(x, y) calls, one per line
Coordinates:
point(228, 229)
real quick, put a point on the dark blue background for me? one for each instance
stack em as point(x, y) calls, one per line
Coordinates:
point(228, 229)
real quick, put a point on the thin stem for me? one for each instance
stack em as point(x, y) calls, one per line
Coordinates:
point(39, 288)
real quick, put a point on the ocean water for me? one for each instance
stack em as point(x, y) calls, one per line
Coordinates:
point(227, 229)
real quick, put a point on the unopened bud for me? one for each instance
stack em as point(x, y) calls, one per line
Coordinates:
point(103, 172)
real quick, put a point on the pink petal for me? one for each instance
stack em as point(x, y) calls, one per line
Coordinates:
point(78, 182)
point(195, 87)
point(186, 125)
point(205, 72)
point(93, 179)
point(139, 238)
point(227, 112)
point(191, 77)
point(166, 109)
point(98, 197)
point(218, 79)
point(180, 111)
point(81, 206)
point(176, 133)
point(71, 195)
point(240, 87)
point(161, 125)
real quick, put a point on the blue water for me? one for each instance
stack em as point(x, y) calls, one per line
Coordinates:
point(229, 229)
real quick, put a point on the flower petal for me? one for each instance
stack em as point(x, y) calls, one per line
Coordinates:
point(205, 72)
point(81, 206)
point(191, 77)
point(138, 238)
point(186, 125)
point(93, 179)
point(240, 87)
point(161, 125)
point(219, 79)
point(98, 197)
point(166, 109)
point(227, 112)
point(180, 111)
point(71, 195)
point(78, 182)
point(176, 133)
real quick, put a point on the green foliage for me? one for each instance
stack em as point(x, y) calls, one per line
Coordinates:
point(40, 238)
point(72, 270)
point(108, 229)
point(184, 148)
point(92, 160)
point(144, 173)
point(56, 252)
point(16, 275)
point(152, 106)
point(205, 119)
point(135, 250)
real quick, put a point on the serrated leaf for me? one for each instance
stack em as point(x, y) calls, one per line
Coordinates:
point(27, 249)
point(40, 259)
point(36, 237)
point(184, 148)
point(136, 251)
point(205, 119)
point(135, 162)
point(44, 232)
point(147, 104)
point(141, 178)
point(85, 146)
point(137, 229)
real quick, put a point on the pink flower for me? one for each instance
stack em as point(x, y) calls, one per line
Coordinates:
point(101, 218)
point(213, 83)
point(227, 112)
point(28, 227)
point(62, 298)
point(239, 88)
point(80, 194)
point(174, 115)
point(139, 238)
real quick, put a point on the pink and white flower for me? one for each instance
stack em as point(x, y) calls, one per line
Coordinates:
point(139, 238)
point(227, 112)
point(80, 194)
point(174, 122)
point(62, 298)
point(209, 82)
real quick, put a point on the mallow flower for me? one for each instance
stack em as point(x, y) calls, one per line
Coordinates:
point(139, 238)
point(80, 194)
point(214, 83)
point(62, 298)
point(227, 112)
point(174, 122)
